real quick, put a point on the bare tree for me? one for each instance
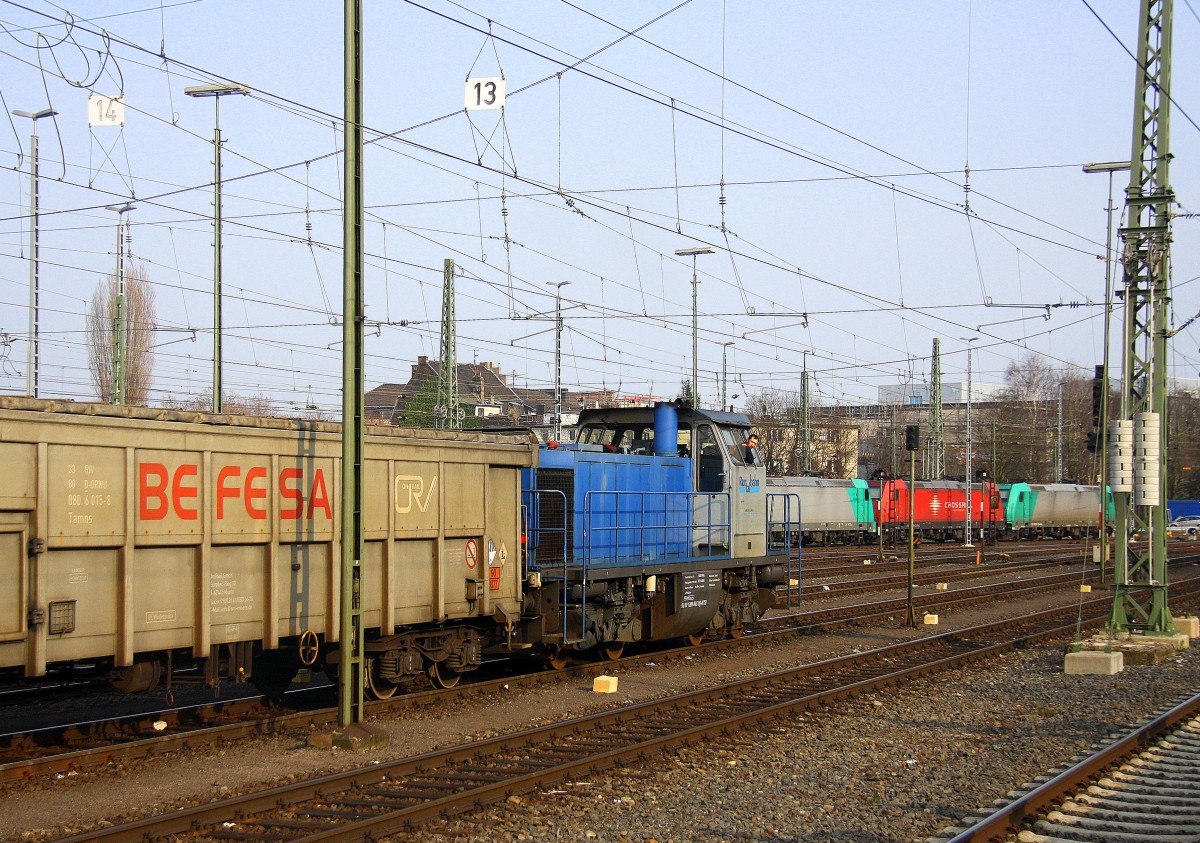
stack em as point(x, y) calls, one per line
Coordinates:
point(140, 321)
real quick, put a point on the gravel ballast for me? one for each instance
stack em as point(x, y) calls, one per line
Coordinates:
point(896, 766)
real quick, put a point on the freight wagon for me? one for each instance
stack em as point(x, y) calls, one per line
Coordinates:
point(143, 540)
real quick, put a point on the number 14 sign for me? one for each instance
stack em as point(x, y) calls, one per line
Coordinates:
point(485, 92)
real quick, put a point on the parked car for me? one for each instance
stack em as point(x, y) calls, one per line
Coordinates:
point(1184, 526)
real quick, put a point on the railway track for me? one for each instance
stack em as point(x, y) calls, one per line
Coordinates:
point(1143, 785)
point(388, 798)
point(92, 744)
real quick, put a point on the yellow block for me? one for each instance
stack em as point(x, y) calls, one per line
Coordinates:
point(1188, 625)
point(604, 684)
point(941, 586)
point(931, 620)
point(866, 561)
point(1085, 589)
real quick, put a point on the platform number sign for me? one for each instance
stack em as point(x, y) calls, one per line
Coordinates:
point(106, 111)
point(486, 92)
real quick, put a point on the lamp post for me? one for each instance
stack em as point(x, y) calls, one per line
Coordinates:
point(32, 350)
point(216, 92)
point(725, 375)
point(693, 251)
point(969, 468)
point(558, 324)
point(1109, 167)
point(120, 352)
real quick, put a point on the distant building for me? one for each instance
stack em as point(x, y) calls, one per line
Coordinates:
point(487, 393)
point(917, 394)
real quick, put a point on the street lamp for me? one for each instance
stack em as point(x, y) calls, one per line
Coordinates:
point(1109, 167)
point(216, 92)
point(725, 375)
point(693, 251)
point(120, 352)
point(558, 324)
point(970, 478)
point(32, 356)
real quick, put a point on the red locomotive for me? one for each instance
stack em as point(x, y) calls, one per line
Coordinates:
point(939, 509)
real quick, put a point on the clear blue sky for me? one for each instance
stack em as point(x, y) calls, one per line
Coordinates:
point(847, 128)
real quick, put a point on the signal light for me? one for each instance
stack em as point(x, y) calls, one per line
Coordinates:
point(1093, 441)
point(912, 437)
point(1098, 396)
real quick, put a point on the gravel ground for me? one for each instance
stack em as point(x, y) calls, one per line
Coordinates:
point(897, 766)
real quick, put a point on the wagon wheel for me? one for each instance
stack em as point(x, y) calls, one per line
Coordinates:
point(442, 676)
point(612, 650)
point(309, 648)
point(381, 689)
point(558, 658)
point(695, 638)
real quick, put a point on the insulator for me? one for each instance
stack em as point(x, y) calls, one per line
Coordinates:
point(308, 226)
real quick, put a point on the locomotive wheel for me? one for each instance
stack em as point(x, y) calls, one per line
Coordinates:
point(380, 689)
point(695, 639)
point(442, 676)
point(558, 658)
point(612, 650)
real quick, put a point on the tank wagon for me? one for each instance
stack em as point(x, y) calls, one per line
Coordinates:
point(143, 541)
point(1054, 510)
point(832, 511)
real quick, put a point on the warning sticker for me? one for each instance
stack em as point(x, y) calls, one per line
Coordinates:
point(471, 553)
point(492, 560)
point(494, 579)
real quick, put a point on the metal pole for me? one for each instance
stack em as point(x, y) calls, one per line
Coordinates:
point(969, 467)
point(558, 326)
point(725, 376)
point(692, 253)
point(216, 92)
point(32, 353)
point(217, 337)
point(351, 670)
point(120, 353)
point(695, 339)
point(805, 421)
point(1102, 432)
point(911, 615)
point(1059, 445)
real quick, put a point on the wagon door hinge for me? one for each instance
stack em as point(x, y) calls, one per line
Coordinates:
point(35, 547)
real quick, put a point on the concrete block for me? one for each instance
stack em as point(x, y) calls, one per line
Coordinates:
point(1189, 626)
point(604, 684)
point(1085, 588)
point(941, 586)
point(1094, 662)
point(1179, 641)
point(931, 620)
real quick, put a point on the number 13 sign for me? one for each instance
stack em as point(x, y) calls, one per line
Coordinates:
point(485, 92)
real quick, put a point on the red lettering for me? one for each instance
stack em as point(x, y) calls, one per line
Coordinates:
point(320, 496)
point(290, 493)
point(224, 491)
point(256, 493)
point(152, 491)
point(180, 492)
